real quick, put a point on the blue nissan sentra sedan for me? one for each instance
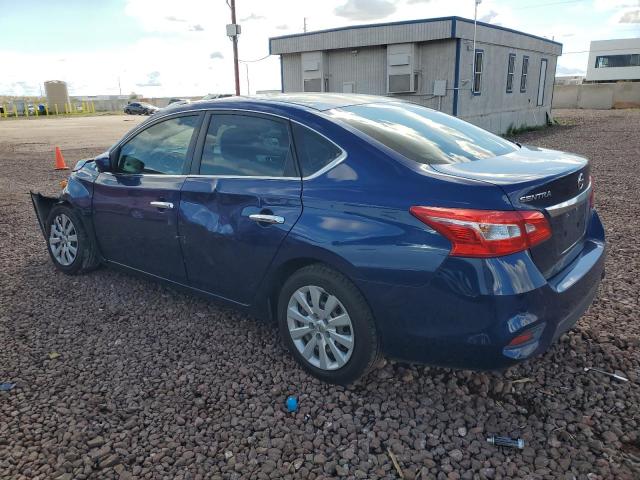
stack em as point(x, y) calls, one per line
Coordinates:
point(362, 225)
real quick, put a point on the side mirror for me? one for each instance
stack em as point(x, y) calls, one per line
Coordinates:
point(103, 162)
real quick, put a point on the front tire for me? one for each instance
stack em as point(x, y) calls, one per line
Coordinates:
point(70, 248)
point(327, 326)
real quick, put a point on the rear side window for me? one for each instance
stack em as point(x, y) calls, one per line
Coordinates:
point(159, 149)
point(423, 135)
point(314, 151)
point(246, 146)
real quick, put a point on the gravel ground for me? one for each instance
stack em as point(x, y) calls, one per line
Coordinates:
point(153, 383)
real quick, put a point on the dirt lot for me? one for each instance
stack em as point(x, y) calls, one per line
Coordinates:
point(152, 383)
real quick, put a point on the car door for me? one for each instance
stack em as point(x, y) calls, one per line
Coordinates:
point(240, 203)
point(135, 205)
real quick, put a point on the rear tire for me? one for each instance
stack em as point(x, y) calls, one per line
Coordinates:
point(70, 248)
point(327, 325)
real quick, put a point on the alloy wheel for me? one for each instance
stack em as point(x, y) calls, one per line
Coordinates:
point(320, 327)
point(63, 240)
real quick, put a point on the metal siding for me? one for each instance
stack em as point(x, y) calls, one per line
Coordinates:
point(362, 37)
point(366, 68)
point(437, 62)
point(291, 73)
point(495, 109)
point(496, 36)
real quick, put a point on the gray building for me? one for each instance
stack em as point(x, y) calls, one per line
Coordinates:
point(430, 62)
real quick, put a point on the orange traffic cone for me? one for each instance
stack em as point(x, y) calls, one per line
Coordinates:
point(60, 165)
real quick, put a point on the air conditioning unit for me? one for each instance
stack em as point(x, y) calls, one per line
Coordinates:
point(313, 69)
point(401, 68)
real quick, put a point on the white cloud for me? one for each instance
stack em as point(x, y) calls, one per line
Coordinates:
point(253, 16)
point(632, 16)
point(365, 9)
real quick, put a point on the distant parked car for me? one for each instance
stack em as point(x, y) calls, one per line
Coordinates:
point(140, 108)
point(175, 102)
point(214, 96)
point(362, 225)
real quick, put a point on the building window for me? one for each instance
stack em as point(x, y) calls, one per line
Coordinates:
point(511, 67)
point(477, 72)
point(525, 70)
point(606, 61)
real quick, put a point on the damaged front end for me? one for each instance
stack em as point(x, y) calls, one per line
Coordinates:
point(43, 205)
point(77, 191)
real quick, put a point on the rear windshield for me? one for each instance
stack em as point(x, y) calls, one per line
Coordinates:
point(423, 135)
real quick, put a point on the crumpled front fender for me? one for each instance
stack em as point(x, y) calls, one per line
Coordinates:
point(43, 205)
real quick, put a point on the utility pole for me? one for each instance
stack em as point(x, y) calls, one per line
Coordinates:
point(246, 67)
point(305, 25)
point(233, 30)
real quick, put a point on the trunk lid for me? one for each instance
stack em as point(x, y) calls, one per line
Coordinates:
point(535, 178)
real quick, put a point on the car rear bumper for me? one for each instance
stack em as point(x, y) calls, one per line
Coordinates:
point(473, 308)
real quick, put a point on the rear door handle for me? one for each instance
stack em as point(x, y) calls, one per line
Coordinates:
point(262, 218)
point(161, 204)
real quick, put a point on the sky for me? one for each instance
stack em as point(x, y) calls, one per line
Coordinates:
point(180, 48)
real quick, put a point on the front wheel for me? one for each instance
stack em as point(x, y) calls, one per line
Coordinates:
point(70, 248)
point(327, 325)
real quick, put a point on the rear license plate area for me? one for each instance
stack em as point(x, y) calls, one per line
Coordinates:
point(569, 227)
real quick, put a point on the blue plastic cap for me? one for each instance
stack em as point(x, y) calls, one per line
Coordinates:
point(292, 404)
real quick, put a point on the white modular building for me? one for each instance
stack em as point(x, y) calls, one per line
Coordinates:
point(614, 60)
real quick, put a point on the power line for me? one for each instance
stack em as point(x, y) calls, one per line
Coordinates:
point(548, 4)
point(256, 60)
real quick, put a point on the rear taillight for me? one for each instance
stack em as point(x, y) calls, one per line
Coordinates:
point(592, 193)
point(486, 233)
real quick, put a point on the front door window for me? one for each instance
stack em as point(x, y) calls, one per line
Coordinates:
point(160, 149)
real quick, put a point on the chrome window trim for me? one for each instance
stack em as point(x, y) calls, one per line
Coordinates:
point(329, 166)
point(560, 208)
point(339, 159)
point(193, 175)
point(239, 177)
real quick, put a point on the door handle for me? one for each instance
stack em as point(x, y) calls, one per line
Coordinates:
point(262, 218)
point(161, 204)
